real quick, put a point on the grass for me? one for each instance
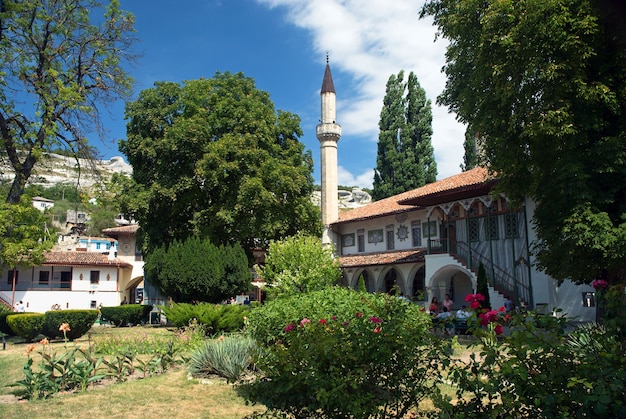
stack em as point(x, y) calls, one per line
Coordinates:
point(170, 395)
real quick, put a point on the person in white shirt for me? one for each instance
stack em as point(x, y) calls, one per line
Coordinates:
point(462, 314)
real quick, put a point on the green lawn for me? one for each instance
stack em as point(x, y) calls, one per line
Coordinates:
point(170, 395)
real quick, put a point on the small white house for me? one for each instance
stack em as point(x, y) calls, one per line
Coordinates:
point(42, 204)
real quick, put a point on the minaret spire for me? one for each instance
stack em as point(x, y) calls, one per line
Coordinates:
point(328, 134)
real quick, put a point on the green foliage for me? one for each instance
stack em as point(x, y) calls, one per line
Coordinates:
point(26, 325)
point(515, 376)
point(471, 157)
point(361, 285)
point(541, 113)
point(80, 322)
point(215, 318)
point(65, 68)
point(297, 265)
point(212, 158)
point(128, 314)
point(405, 157)
point(23, 238)
point(340, 353)
point(197, 270)
point(482, 285)
point(228, 357)
point(4, 327)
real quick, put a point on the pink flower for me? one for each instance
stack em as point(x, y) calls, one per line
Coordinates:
point(334, 318)
point(358, 314)
point(375, 319)
point(377, 329)
point(289, 327)
point(304, 321)
point(474, 305)
point(600, 283)
point(502, 309)
point(498, 329)
point(323, 321)
point(345, 323)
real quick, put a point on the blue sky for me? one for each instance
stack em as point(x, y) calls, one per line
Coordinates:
point(282, 45)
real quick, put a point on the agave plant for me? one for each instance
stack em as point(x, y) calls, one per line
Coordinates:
point(227, 357)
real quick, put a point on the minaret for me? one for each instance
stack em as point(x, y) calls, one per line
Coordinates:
point(328, 133)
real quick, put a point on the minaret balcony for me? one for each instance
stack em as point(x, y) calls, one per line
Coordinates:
point(328, 130)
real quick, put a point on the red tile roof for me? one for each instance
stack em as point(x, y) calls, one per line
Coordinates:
point(122, 230)
point(382, 258)
point(82, 259)
point(470, 182)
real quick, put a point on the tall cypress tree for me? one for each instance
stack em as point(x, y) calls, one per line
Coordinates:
point(405, 154)
point(470, 158)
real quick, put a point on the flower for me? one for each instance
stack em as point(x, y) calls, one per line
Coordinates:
point(375, 319)
point(600, 284)
point(289, 327)
point(502, 309)
point(322, 321)
point(44, 341)
point(65, 327)
point(304, 321)
point(358, 314)
point(474, 305)
point(474, 297)
point(29, 349)
point(498, 329)
point(377, 329)
point(334, 318)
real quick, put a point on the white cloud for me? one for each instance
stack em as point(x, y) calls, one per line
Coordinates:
point(364, 180)
point(368, 41)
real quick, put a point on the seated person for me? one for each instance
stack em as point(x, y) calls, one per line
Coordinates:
point(462, 313)
point(444, 319)
point(445, 314)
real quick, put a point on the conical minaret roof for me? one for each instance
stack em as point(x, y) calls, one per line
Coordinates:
point(327, 84)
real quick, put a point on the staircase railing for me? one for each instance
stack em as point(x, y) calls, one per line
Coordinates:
point(5, 300)
point(501, 280)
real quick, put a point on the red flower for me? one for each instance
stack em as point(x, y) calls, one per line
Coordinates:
point(358, 314)
point(498, 329)
point(289, 327)
point(502, 309)
point(377, 330)
point(375, 319)
point(474, 305)
point(323, 321)
point(600, 283)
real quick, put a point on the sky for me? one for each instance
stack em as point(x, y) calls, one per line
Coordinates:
point(282, 45)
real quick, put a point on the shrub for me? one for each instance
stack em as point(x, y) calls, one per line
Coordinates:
point(80, 322)
point(26, 325)
point(341, 353)
point(127, 314)
point(227, 357)
point(216, 318)
point(4, 327)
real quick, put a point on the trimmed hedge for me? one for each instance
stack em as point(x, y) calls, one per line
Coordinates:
point(80, 322)
point(121, 316)
point(26, 325)
point(4, 327)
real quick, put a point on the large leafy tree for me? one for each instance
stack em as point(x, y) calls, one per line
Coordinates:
point(23, 237)
point(543, 82)
point(57, 70)
point(197, 270)
point(212, 158)
point(405, 157)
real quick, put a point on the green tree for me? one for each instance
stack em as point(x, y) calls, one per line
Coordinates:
point(197, 270)
point(470, 158)
point(57, 70)
point(482, 285)
point(299, 264)
point(212, 158)
point(543, 82)
point(23, 238)
point(405, 157)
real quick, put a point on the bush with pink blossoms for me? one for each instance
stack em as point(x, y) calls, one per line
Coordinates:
point(341, 353)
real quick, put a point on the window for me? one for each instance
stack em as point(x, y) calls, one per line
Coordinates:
point(98, 246)
point(589, 299)
point(66, 280)
point(511, 230)
point(429, 229)
point(491, 228)
point(10, 276)
point(44, 278)
point(93, 304)
point(416, 232)
point(390, 237)
point(473, 230)
point(361, 240)
point(94, 277)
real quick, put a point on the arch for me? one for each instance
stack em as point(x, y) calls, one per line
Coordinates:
point(370, 283)
point(453, 280)
point(419, 283)
point(392, 280)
